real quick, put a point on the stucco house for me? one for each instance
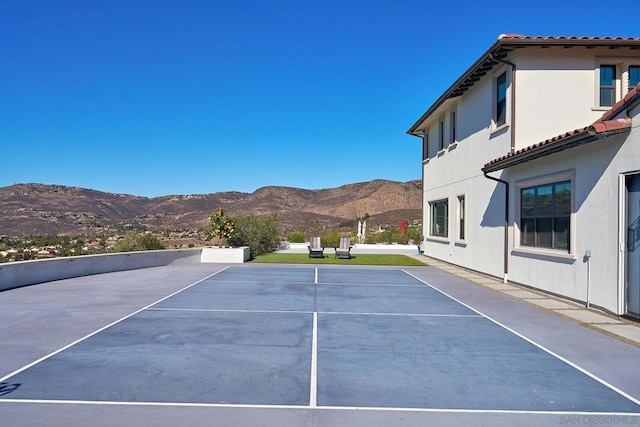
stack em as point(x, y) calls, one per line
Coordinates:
point(531, 168)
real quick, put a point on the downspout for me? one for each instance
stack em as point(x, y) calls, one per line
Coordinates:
point(506, 224)
point(513, 147)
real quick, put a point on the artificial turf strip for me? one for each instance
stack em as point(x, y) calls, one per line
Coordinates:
point(362, 259)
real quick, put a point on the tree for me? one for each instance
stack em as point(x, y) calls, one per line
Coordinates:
point(133, 241)
point(330, 239)
point(222, 226)
point(296, 237)
point(262, 235)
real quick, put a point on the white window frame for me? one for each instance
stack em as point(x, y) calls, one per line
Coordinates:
point(441, 135)
point(495, 127)
point(425, 145)
point(616, 85)
point(453, 127)
point(549, 253)
point(621, 79)
point(626, 86)
point(461, 219)
point(445, 237)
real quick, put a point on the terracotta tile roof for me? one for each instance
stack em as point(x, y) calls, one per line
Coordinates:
point(563, 38)
point(604, 125)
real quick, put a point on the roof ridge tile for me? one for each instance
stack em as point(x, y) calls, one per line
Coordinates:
point(523, 37)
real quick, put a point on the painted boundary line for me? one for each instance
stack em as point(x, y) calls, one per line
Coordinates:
point(313, 383)
point(323, 408)
point(372, 285)
point(341, 313)
point(253, 282)
point(102, 329)
point(211, 310)
point(540, 346)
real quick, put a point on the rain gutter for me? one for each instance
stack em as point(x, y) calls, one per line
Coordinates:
point(506, 223)
point(505, 249)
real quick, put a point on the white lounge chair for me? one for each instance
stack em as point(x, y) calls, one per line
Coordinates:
point(344, 251)
point(316, 250)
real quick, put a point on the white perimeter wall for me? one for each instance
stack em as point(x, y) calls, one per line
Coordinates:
point(23, 273)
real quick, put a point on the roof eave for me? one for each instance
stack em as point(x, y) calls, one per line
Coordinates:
point(414, 130)
point(501, 48)
point(588, 135)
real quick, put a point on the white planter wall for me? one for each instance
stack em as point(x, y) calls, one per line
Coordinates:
point(225, 255)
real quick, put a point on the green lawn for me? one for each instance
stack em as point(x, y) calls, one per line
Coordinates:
point(362, 259)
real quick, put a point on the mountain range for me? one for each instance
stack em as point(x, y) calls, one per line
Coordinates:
point(37, 209)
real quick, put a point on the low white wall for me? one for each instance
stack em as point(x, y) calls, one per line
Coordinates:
point(359, 248)
point(225, 255)
point(364, 248)
point(23, 273)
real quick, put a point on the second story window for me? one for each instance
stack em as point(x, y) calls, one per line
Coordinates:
point(607, 85)
point(425, 145)
point(441, 135)
point(453, 137)
point(634, 76)
point(501, 100)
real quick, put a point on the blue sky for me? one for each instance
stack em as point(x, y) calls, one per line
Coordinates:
point(189, 97)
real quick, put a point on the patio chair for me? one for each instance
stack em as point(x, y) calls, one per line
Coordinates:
point(344, 251)
point(316, 250)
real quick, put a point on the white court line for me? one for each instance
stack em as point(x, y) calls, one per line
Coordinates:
point(324, 408)
point(379, 285)
point(540, 346)
point(256, 282)
point(346, 313)
point(313, 384)
point(102, 329)
point(355, 313)
point(316, 279)
point(212, 310)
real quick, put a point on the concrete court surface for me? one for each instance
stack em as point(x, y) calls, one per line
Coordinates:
point(299, 345)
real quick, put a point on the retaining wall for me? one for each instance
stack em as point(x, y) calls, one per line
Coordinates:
point(23, 273)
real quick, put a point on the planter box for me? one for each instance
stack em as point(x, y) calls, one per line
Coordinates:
point(235, 255)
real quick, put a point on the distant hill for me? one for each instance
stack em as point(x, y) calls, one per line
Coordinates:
point(54, 209)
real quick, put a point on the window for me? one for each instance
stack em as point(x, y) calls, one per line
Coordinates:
point(607, 85)
point(425, 145)
point(440, 218)
point(441, 135)
point(545, 216)
point(501, 100)
point(452, 127)
point(461, 214)
point(634, 76)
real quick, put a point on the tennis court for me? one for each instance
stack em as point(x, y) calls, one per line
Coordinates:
point(301, 345)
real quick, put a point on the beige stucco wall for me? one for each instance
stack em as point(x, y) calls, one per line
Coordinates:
point(597, 167)
point(457, 171)
point(556, 93)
